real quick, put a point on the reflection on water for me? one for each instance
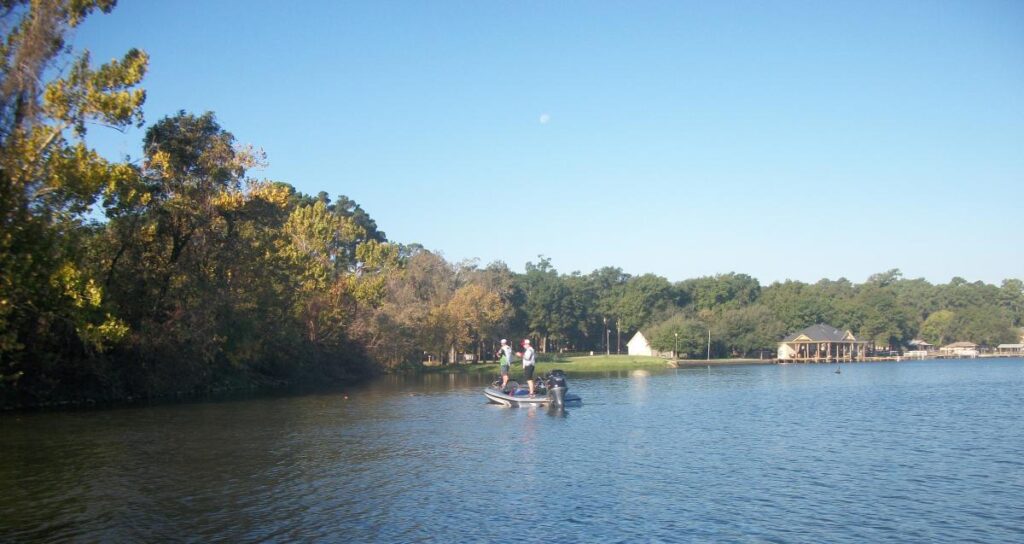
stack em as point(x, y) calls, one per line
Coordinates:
point(908, 452)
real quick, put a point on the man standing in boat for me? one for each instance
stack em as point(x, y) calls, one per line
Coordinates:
point(529, 357)
point(505, 360)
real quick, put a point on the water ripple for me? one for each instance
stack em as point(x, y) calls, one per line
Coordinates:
point(909, 452)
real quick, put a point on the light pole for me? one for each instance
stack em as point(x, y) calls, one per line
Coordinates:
point(607, 338)
point(675, 351)
point(709, 345)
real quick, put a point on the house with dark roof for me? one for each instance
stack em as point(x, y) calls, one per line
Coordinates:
point(920, 345)
point(919, 349)
point(822, 343)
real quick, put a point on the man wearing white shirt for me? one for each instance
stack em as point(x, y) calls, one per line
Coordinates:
point(529, 357)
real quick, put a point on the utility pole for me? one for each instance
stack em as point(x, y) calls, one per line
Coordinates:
point(607, 339)
point(618, 341)
point(709, 345)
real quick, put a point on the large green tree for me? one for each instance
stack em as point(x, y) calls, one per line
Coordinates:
point(607, 286)
point(641, 297)
point(1011, 298)
point(747, 331)
point(720, 291)
point(52, 315)
point(938, 329)
point(798, 305)
point(687, 335)
point(551, 311)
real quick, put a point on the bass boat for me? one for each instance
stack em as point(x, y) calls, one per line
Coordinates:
point(552, 390)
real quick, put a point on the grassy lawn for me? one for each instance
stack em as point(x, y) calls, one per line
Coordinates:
point(597, 363)
point(547, 362)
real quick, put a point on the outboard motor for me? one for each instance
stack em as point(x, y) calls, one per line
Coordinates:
point(557, 387)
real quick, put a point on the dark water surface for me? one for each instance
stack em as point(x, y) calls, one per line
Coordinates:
point(893, 452)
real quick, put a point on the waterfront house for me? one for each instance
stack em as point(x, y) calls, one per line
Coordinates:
point(921, 345)
point(960, 349)
point(1010, 349)
point(822, 343)
point(638, 345)
point(919, 349)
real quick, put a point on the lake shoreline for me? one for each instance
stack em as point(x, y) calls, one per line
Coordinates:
point(681, 363)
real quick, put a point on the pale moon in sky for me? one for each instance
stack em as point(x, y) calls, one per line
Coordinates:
point(544, 118)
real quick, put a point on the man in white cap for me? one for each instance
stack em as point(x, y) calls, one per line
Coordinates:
point(529, 358)
point(504, 359)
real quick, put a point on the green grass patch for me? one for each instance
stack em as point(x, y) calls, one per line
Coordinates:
point(547, 362)
point(600, 363)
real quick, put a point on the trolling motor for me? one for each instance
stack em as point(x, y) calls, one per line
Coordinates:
point(556, 386)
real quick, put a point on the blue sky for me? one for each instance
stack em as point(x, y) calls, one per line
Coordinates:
point(785, 140)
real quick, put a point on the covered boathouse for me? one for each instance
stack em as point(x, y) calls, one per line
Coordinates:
point(822, 344)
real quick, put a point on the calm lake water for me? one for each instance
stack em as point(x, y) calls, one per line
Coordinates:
point(888, 452)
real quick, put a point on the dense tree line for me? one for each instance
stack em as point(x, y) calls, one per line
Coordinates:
point(199, 277)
